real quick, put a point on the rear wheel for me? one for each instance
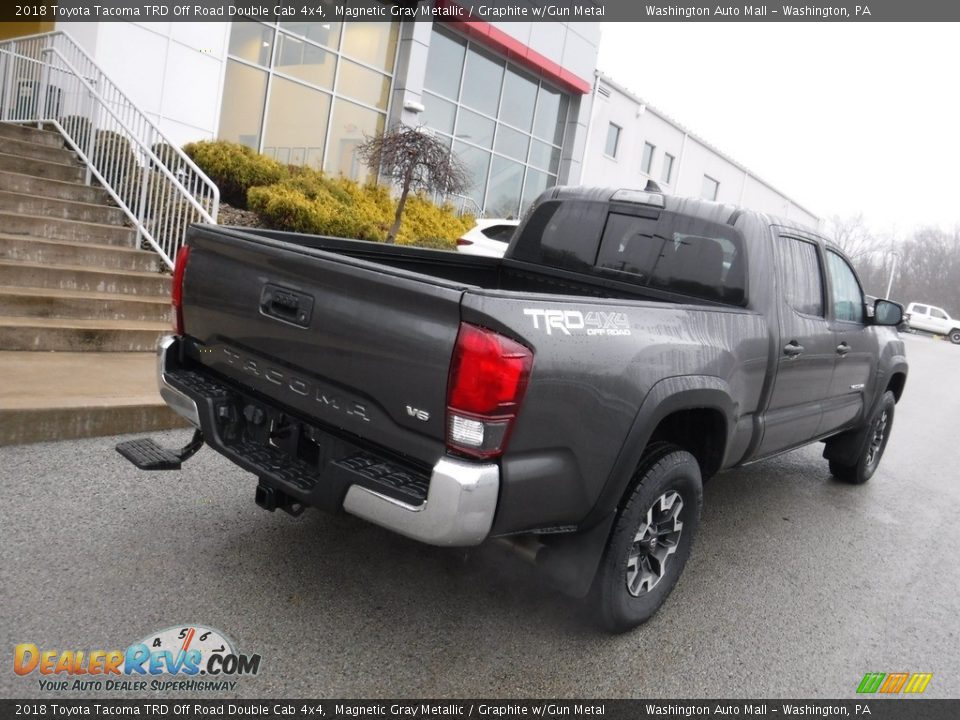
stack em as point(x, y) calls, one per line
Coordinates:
point(877, 436)
point(651, 539)
point(955, 336)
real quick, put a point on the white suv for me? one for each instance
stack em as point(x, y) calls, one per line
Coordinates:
point(934, 320)
point(488, 237)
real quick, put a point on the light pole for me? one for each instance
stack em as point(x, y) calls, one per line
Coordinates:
point(893, 270)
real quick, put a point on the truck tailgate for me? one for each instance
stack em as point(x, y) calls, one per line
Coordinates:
point(356, 345)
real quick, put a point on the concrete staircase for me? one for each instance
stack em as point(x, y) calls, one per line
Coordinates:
point(81, 307)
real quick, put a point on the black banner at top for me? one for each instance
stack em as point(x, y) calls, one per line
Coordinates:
point(866, 708)
point(483, 10)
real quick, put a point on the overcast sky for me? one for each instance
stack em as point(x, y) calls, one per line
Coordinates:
point(845, 118)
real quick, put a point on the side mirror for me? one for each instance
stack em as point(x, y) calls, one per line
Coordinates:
point(887, 312)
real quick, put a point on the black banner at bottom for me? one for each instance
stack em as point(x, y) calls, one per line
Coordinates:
point(871, 707)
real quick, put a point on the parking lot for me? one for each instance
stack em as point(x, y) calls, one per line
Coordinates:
point(798, 585)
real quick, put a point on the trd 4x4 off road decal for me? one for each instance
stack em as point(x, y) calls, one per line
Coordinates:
point(571, 322)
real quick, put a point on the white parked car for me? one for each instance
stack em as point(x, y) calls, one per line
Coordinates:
point(933, 319)
point(488, 237)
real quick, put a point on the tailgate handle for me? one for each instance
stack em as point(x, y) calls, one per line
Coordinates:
point(287, 305)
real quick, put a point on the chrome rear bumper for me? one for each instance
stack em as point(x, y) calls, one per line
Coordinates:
point(461, 500)
point(459, 509)
point(179, 402)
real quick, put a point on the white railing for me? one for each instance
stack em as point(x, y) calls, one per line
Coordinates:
point(462, 204)
point(50, 81)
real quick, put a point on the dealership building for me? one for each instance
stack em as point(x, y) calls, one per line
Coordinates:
point(521, 103)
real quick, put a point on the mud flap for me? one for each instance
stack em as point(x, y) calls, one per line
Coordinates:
point(570, 561)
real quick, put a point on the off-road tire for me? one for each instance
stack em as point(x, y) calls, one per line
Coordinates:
point(881, 423)
point(664, 470)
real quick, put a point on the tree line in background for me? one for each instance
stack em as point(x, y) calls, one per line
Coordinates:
point(927, 262)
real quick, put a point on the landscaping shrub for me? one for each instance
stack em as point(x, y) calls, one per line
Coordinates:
point(428, 225)
point(302, 199)
point(235, 168)
point(325, 211)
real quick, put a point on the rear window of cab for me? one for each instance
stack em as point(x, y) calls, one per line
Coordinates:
point(643, 246)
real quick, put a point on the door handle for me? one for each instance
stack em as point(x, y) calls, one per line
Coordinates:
point(792, 349)
point(843, 349)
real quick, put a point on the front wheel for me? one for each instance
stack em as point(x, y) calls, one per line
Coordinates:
point(955, 336)
point(651, 539)
point(876, 442)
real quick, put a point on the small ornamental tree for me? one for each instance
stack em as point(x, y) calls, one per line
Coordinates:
point(415, 160)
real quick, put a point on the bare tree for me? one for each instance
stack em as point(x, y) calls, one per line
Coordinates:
point(415, 160)
point(853, 236)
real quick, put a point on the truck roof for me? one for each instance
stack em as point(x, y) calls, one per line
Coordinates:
point(697, 207)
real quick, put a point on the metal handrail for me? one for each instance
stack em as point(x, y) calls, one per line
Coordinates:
point(460, 203)
point(49, 80)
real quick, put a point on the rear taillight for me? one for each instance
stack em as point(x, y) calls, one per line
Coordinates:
point(488, 376)
point(176, 290)
point(464, 241)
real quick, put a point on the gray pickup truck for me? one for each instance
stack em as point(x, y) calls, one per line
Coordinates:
point(570, 398)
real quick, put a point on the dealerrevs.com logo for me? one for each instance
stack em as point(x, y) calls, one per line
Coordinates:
point(180, 658)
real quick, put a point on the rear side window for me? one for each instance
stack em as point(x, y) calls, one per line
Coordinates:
point(920, 309)
point(677, 253)
point(801, 277)
point(500, 233)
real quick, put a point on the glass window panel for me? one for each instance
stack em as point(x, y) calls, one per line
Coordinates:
point(613, 140)
point(297, 122)
point(646, 162)
point(667, 175)
point(477, 162)
point(506, 182)
point(251, 41)
point(800, 269)
point(511, 143)
point(438, 114)
point(847, 295)
point(710, 188)
point(676, 253)
point(481, 82)
point(544, 156)
point(363, 84)
point(325, 33)
point(475, 128)
point(373, 43)
point(305, 61)
point(519, 100)
point(244, 89)
point(350, 126)
point(444, 65)
point(535, 184)
point(551, 115)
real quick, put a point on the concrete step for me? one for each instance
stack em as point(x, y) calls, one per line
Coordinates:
point(55, 189)
point(63, 396)
point(32, 134)
point(48, 303)
point(41, 168)
point(36, 151)
point(63, 252)
point(64, 209)
point(77, 277)
point(51, 228)
point(78, 335)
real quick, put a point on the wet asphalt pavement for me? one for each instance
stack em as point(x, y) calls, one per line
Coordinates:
point(798, 585)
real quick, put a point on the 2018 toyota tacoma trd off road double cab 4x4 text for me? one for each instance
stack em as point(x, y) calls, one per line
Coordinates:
point(571, 396)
